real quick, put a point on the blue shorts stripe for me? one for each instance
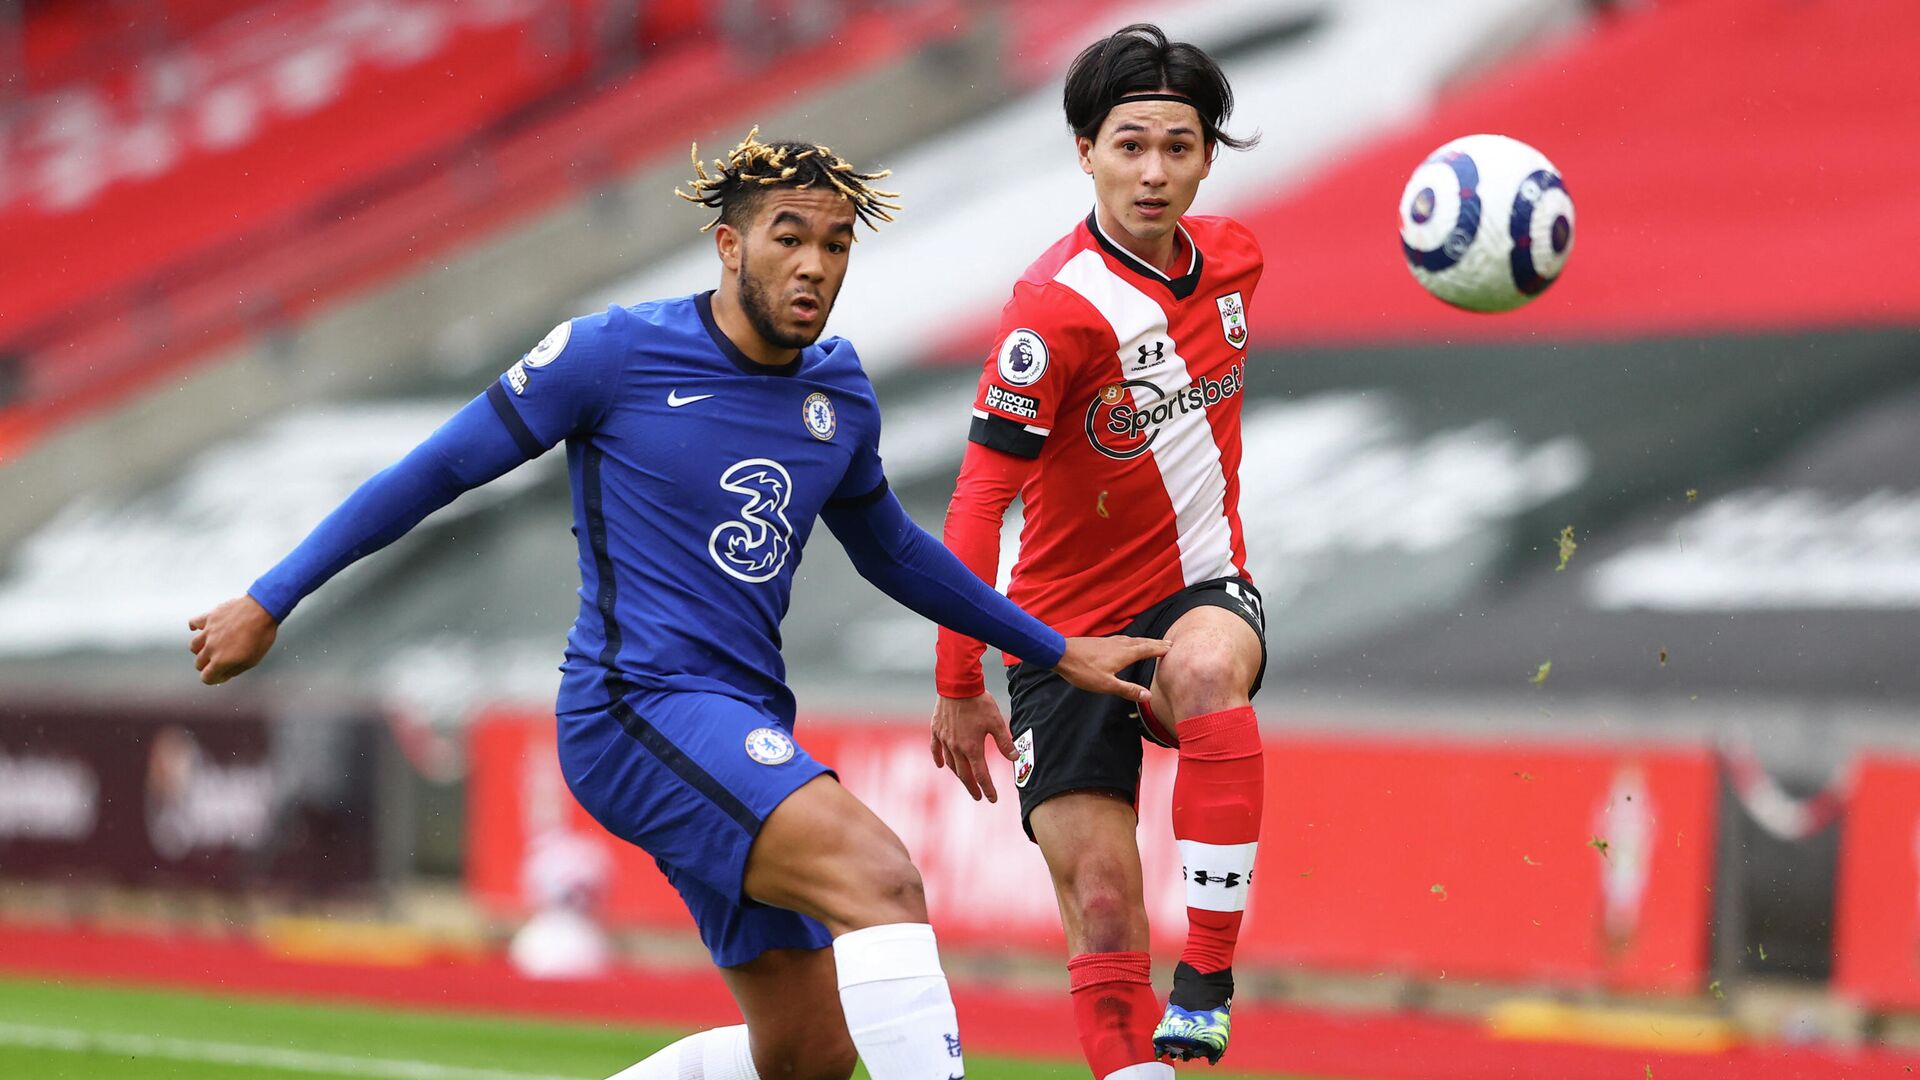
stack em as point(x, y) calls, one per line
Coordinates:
point(676, 759)
point(670, 772)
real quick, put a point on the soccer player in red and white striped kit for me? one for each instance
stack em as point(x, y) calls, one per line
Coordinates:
point(1110, 405)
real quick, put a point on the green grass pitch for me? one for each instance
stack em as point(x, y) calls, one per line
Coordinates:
point(50, 1030)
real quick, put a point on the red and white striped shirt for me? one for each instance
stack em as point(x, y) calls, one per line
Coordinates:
point(1122, 386)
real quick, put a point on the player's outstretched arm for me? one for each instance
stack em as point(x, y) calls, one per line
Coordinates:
point(908, 564)
point(989, 481)
point(468, 450)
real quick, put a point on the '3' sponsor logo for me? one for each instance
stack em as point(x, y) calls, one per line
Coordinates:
point(755, 546)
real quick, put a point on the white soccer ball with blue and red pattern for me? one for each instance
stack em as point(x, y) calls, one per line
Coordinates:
point(1486, 223)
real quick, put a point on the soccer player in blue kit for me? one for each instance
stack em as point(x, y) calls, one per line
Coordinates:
point(704, 436)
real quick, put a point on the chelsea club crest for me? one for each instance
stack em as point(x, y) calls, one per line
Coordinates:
point(769, 746)
point(817, 411)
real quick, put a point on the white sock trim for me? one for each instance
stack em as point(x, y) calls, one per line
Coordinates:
point(1219, 876)
point(715, 1054)
point(886, 952)
point(728, 1053)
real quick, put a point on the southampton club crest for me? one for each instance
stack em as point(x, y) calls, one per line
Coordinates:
point(1233, 319)
point(1023, 761)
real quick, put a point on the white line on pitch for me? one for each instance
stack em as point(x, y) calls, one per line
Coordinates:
point(74, 1040)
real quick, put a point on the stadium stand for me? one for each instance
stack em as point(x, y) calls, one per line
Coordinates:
point(1793, 99)
point(1659, 259)
point(1285, 54)
point(555, 171)
point(127, 171)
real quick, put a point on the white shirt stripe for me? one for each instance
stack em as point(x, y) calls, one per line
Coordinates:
point(1184, 451)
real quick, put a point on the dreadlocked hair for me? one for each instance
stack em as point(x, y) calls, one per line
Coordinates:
point(750, 169)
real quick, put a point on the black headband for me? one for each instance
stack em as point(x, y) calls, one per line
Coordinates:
point(1126, 97)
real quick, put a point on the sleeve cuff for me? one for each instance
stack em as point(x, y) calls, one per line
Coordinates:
point(1056, 650)
point(263, 596)
point(961, 687)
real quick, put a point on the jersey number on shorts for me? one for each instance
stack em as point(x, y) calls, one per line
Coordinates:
point(754, 546)
point(1248, 600)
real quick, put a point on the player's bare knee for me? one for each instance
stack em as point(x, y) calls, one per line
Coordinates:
point(900, 886)
point(1103, 905)
point(886, 889)
point(1201, 678)
point(836, 1062)
point(825, 1060)
point(1105, 918)
point(812, 1053)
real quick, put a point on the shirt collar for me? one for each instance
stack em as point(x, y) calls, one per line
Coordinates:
point(704, 302)
point(1181, 287)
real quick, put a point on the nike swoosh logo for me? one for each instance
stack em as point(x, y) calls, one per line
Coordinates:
point(674, 400)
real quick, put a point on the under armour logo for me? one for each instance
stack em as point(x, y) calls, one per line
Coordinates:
point(953, 1045)
point(1201, 877)
point(1152, 355)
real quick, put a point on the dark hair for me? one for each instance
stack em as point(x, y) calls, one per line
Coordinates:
point(1139, 59)
point(745, 174)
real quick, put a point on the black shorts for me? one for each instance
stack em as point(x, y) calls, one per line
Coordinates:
point(1069, 739)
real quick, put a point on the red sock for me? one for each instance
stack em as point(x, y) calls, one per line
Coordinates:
point(1115, 1009)
point(1217, 796)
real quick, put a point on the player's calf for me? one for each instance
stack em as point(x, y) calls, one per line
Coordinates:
point(1217, 799)
point(793, 1029)
point(824, 854)
point(1112, 1001)
point(1205, 683)
point(760, 1052)
point(812, 1049)
point(1088, 840)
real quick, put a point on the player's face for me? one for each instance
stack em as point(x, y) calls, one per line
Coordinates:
point(1147, 164)
point(789, 263)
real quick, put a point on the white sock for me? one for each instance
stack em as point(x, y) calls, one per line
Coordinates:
point(898, 1008)
point(1146, 1070)
point(715, 1054)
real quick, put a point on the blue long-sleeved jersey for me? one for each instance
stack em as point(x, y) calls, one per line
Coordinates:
point(697, 475)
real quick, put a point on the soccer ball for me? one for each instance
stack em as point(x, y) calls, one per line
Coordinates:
point(1486, 223)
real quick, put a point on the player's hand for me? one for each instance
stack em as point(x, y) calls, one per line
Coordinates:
point(1091, 663)
point(961, 727)
point(231, 638)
